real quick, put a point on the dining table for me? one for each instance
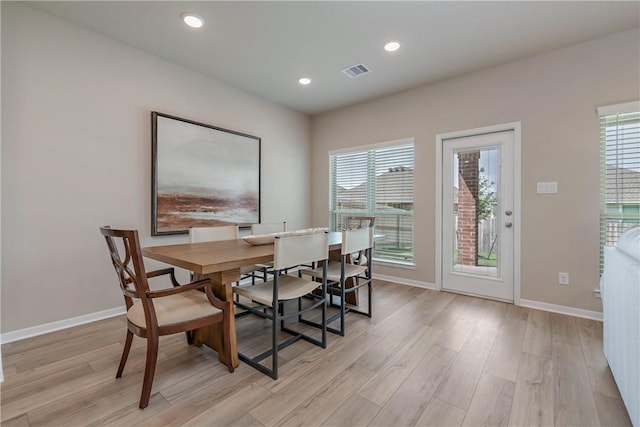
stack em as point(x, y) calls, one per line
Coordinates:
point(220, 262)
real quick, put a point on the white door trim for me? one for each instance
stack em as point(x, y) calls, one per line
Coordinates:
point(517, 205)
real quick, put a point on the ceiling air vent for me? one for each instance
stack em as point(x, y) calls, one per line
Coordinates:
point(356, 70)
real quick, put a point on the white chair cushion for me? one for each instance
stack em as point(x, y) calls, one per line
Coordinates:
point(289, 287)
point(333, 271)
point(174, 309)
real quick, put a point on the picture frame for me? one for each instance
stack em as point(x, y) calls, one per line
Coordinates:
point(202, 176)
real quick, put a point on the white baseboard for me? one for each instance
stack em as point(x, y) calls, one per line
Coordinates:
point(554, 308)
point(562, 309)
point(33, 331)
point(403, 281)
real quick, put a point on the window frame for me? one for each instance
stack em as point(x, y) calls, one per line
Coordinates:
point(370, 209)
point(613, 211)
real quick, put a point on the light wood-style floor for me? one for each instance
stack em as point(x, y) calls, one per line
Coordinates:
point(426, 358)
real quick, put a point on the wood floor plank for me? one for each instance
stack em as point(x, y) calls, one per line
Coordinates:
point(389, 346)
point(461, 379)
point(491, 403)
point(21, 421)
point(355, 412)
point(504, 358)
point(110, 396)
point(285, 400)
point(441, 413)
point(533, 395)
point(320, 406)
point(229, 409)
point(590, 333)
point(537, 339)
point(409, 402)
point(611, 411)
point(54, 392)
point(128, 415)
point(390, 377)
point(564, 330)
point(574, 403)
point(493, 315)
point(457, 333)
point(62, 336)
point(187, 405)
point(602, 382)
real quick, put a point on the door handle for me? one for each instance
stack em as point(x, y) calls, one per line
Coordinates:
point(508, 224)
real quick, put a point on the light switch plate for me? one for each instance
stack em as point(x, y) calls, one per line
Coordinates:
point(547, 187)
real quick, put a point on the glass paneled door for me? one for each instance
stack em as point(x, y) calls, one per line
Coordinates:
point(477, 215)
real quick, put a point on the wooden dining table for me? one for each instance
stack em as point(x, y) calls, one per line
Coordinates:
point(220, 262)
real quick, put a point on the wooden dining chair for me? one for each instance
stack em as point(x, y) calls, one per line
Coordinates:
point(151, 314)
point(267, 299)
point(337, 273)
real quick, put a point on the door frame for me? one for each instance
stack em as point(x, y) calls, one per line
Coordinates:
point(517, 182)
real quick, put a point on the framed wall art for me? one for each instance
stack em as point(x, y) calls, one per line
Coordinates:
point(202, 176)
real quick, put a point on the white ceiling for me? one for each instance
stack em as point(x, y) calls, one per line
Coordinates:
point(264, 47)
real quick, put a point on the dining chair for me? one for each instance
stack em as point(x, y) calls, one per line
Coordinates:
point(355, 222)
point(267, 228)
point(361, 241)
point(224, 232)
point(267, 300)
point(154, 313)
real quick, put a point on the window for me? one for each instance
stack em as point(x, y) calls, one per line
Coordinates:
point(376, 181)
point(619, 172)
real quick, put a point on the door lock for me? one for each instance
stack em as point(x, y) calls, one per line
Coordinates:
point(508, 224)
point(508, 213)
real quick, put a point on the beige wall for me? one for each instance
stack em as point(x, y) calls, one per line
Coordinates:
point(554, 95)
point(76, 155)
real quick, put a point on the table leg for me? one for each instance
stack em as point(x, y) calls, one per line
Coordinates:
point(212, 335)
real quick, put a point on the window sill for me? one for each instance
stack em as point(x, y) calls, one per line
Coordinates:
point(408, 265)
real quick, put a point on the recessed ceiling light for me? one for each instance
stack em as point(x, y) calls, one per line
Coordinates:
point(392, 46)
point(194, 21)
point(304, 80)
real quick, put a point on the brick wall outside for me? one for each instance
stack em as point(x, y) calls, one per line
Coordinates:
point(468, 174)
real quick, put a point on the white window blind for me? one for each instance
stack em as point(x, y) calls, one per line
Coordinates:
point(377, 182)
point(619, 172)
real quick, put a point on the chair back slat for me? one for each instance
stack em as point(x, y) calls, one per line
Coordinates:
point(127, 262)
point(295, 250)
point(356, 240)
point(213, 234)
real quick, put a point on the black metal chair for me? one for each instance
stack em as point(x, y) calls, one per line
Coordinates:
point(267, 299)
point(338, 273)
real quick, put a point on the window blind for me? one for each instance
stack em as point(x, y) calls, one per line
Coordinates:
point(377, 182)
point(619, 172)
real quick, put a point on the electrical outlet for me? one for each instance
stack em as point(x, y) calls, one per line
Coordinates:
point(563, 278)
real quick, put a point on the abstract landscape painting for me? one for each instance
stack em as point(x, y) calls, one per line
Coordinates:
point(202, 176)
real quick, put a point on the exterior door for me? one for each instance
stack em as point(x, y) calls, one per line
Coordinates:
point(477, 215)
